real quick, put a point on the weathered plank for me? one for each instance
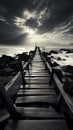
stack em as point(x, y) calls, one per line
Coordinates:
point(37, 125)
point(31, 100)
point(37, 86)
point(40, 113)
point(36, 92)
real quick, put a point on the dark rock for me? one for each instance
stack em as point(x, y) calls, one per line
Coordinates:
point(16, 65)
point(58, 72)
point(59, 58)
point(68, 75)
point(2, 65)
point(64, 59)
point(53, 57)
point(7, 59)
point(54, 52)
point(6, 72)
point(54, 64)
point(48, 58)
point(23, 57)
point(45, 54)
point(67, 50)
point(68, 68)
point(68, 86)
point(6, 79)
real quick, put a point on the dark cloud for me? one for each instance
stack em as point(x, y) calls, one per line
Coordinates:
point(8, 33)
point(70, 31)
point(60, 12)
point(54, 13)
point(32, 23)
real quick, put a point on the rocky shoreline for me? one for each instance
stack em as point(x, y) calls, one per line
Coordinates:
point(10, 66)
point(54, 58)
point(62, 67)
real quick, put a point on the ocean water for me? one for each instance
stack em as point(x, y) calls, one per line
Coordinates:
point(12, 51)
point(66, 59)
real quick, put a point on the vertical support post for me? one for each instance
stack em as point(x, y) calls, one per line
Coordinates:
point(59, 103)
point(23, 74)
point(51, 78)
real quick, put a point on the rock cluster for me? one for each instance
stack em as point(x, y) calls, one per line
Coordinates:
point(9, 66)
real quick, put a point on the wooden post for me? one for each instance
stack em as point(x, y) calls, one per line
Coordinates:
point(23, 74)
point(51, 78)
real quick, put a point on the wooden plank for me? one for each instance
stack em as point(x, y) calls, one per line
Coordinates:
point(37, 78)
point(36, 86)
point(35, 100)
point(35, 73)
point(37, 82)
point(36, 92)
point(37, 125)
point(40, 113)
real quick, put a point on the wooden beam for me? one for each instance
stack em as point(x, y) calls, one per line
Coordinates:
point(68, 99)
point(12, 81)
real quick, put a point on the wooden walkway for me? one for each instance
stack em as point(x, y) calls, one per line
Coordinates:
point(36, 101)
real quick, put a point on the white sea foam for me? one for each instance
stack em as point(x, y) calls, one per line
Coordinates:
point(12, 51)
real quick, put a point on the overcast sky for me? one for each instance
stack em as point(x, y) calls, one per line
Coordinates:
point(44, 22)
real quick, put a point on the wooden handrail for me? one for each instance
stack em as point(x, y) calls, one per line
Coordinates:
point(4, 90)
point(12, 81)
point(25, 65)
point(66, 97)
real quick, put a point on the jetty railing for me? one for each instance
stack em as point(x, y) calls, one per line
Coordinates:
point(7, 91)
point(19, 77)
point(64, 99)
point(7, 108)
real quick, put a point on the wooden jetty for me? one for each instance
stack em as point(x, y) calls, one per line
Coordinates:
point(38, 105)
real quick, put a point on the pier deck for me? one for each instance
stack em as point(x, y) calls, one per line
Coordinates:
point(37, 100)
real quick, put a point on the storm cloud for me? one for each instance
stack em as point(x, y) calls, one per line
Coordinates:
point(45, 16)
point(32, 23)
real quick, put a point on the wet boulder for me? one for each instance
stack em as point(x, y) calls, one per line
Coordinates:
point(54, 52)
point(59, 73)
point(2, 63)
point(68, 86)
point(59, 59)
point(44, 54)
point(54, 64)
point(16, 65)
point(6, 71)
point(68, 69)
point(7, 59)
point(23, 57)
